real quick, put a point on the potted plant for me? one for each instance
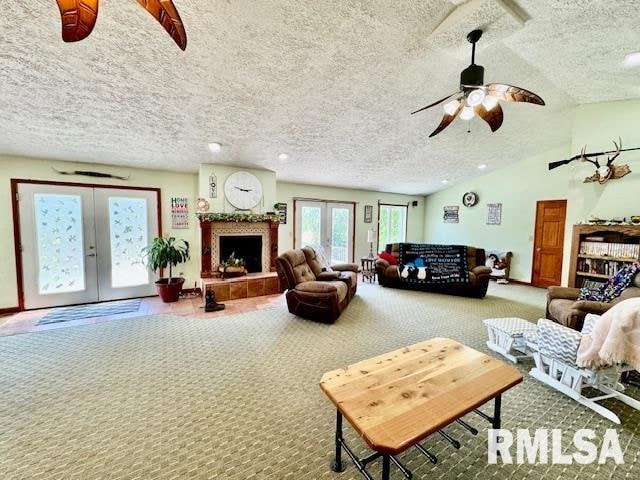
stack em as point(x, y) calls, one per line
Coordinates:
point(162, 253)
point(232, 266)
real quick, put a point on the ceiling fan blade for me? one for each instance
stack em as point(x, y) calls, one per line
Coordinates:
point(78, 18)
point(509, 93)
point(165, 12)
point(436, 103)
point(493, 117)
point(446, 120)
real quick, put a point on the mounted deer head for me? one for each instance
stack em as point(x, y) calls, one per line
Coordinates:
point(607, 172)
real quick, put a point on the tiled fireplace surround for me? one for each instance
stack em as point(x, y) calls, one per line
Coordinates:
point(252, 285)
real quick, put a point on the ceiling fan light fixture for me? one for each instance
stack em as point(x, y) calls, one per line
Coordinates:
point(475, 97)
point(489, 102)
point(467, 113)
point(451, 107)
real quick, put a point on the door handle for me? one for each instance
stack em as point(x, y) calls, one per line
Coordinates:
point(90, 255)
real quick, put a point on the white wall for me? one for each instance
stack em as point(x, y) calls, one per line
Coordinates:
point(286, 192)
point(519, 186)
point(171, 184)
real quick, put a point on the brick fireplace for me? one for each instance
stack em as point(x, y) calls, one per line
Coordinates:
point(213, 230)
point(253, 237)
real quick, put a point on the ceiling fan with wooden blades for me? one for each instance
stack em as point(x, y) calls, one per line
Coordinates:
point(475, 98)
point(79, 17)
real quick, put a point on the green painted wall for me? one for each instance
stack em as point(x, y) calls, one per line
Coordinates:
point(171, 183)
point(519, 186)
point(192, 186)
point(220, 204)
point(288, 191)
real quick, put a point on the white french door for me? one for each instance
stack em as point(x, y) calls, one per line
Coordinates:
point(328, 225)
point(82, 244)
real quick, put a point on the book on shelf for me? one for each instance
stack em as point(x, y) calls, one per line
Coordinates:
point(599, 266)
point(591, 284)
point(615, 250)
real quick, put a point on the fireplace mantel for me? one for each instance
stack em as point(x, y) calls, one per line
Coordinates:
point(212, 224)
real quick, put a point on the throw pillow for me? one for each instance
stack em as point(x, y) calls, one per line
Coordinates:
point(389, 258)
point(328, 276)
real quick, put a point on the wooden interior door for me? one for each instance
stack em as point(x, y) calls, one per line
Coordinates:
point(548, 243)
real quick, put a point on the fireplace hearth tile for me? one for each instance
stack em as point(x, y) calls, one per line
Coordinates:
point(255, 288)
point(238, 290)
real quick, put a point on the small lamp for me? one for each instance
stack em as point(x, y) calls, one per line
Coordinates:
point(371, 237)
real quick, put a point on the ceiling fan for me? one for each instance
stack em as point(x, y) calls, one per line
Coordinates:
point(475, 98)
point(79, 17)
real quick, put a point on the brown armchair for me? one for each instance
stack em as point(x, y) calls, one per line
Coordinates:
point(313, 291)
point(564, 307)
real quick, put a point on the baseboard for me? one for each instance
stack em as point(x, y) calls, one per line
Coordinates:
point(7, 311)
point(520, 282)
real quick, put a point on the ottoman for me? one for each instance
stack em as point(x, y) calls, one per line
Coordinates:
point(511, 337)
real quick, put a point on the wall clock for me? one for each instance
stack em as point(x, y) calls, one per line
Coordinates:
point(470, 199)
point(243, 190)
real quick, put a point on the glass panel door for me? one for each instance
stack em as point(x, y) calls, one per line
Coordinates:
point(58, 244)
point(83, 244)
point(392, 224)
point(327, 227)
point(340, 220)
point(126, 222)
point(311, 232)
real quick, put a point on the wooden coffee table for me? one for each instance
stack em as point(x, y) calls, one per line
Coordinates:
point(395, 400)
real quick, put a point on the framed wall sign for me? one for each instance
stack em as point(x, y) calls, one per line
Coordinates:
point(179, 212)
point(368, 213)
point(450, 214)
point(281, 210)
point(213, 186)
point(494, 213)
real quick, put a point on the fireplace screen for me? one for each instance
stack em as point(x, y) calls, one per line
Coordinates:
point(247, 247)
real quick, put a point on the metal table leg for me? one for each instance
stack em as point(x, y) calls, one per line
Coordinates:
point(336, 463)
point(497, 403)
point(386, 467)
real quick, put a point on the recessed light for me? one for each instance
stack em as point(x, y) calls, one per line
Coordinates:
point(215, 147)
point(445, 181)
point(632, 59)
point(482, 166)
point(283, 157)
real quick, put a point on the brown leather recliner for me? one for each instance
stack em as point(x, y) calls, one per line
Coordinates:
point(564, 307)
point(479, 275)
point(316, 292)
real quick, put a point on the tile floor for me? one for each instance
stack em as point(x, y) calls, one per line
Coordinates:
point(25, 322)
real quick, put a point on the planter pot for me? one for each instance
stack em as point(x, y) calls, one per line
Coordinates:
point(230, 272)
point(169, 292)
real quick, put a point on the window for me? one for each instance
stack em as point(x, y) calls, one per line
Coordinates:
point(392, 224)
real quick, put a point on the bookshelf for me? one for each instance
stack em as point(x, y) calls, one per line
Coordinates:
point(599, 251)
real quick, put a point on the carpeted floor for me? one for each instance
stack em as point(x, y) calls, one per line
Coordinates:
point(237, 397)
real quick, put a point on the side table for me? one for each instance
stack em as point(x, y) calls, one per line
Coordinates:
point(368, 268)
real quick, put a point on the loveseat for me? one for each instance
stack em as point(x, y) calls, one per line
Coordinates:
point(314, 290)
point(478, 275)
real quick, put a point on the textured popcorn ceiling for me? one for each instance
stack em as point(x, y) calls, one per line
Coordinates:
point(331, 83)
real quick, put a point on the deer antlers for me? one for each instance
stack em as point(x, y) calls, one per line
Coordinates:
point(584, 158)
point(607, 172)
point(617, 152)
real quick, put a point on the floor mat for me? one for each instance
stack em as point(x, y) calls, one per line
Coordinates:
point(89, 311)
